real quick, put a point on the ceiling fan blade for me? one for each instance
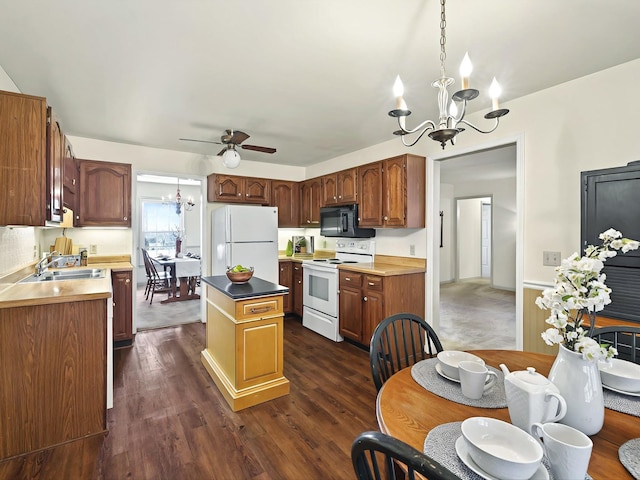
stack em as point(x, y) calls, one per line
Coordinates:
point(201, 141)
point(222, 151)
point(259, 149)
point(238, 137)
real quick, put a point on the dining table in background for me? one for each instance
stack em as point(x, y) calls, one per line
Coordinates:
point(186, 269)
point(407, 411)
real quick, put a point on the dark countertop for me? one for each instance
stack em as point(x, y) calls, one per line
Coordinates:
point(256, 287)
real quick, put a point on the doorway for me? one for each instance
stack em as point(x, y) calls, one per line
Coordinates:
point(494, 172)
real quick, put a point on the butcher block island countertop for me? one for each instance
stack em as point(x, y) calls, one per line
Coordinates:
point(244, 349)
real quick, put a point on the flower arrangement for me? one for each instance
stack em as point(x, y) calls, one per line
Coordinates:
point(178, 232)
point(579, 290)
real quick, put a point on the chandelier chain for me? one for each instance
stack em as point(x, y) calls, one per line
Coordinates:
point(443, 38)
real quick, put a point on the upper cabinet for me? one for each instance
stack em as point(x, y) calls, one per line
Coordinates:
point(105, 194)
point(23, 159)
point(55, 165)
point(310, 201)
point(236, 189)
point(286, 196)
point(340, 188)
point(71, 178)
point(392, 193)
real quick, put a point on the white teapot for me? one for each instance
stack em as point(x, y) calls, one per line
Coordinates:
point(532, 398)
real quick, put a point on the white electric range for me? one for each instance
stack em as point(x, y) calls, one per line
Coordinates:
point(320, 286)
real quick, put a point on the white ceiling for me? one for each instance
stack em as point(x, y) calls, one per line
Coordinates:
point(310, 78)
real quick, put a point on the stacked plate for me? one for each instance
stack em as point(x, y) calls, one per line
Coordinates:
point(448, 361)
point(620, 376)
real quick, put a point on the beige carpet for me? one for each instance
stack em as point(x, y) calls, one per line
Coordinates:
point(160, 315)
point(475, 316)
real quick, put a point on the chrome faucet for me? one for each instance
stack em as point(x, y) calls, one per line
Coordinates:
point(43, 264)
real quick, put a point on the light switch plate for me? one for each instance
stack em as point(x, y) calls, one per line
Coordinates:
point(551, 259)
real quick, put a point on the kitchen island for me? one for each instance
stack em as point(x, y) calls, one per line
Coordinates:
point(244, 349)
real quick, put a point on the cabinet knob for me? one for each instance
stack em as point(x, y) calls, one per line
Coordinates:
point(371, 284)
point(386, 218)
point(239, 194)
point(339, 196)
point(299, 281)
point(125, 219)
point(246, 194)
point(365, 299)
point(348, 279)
point(334, 197)
point(127, 281)
point(73, 182)
point(114, 304)
point(308, 221)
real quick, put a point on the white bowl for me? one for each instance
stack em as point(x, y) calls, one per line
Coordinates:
point(501, 449)
point(621, 375)
point(449, 360)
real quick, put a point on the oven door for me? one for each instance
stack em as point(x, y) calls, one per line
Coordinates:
point(320, 287)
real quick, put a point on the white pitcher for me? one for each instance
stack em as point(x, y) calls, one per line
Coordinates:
point(532, 398)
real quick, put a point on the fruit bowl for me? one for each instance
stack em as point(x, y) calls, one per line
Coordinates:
point(240, 277)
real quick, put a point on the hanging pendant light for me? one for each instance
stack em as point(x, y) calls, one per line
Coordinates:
point(450, 115)
point(180, 203)
point(231, 158)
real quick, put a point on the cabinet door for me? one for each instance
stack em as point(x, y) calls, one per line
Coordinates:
point(225, 188)
point(394, 186)
point(311, 196)
point(286, 196)
point(350, 305)
point(71, 177)
point(370, 201)
point(105, 194)
point(257, 190)
point(55, 156)
point(122, 307)
point(347, 181)
point(297, 289)
point(372, 311)
point(23, 125)
point(285, 278)
point(329, 190)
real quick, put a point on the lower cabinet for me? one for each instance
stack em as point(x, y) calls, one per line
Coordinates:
point(285, 278)
point(365, 300)
point(122, 307)
point(297, 288)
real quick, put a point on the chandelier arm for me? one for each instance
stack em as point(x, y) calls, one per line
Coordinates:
point(428, 129)
point(426, 124)
point(477, 129)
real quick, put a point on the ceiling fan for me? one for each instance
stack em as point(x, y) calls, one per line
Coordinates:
point(232, 139)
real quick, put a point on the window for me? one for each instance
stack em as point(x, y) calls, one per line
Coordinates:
point(159, 225)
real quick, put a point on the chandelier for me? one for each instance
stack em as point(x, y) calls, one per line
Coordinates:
point(187, 204)
point(451, 116)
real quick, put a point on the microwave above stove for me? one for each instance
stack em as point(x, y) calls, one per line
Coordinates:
point(342, 222)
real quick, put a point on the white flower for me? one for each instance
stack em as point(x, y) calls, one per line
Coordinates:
point(579, 287)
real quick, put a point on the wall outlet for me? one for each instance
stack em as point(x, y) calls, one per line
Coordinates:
point(412, 249)
point(551, 259)
point(93, 249)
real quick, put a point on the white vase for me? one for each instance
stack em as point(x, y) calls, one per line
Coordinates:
point(579, 383)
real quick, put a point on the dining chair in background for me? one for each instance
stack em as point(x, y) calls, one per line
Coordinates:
point(624, 338)
point(157, 282)
point(400, 341)
point(377, 456)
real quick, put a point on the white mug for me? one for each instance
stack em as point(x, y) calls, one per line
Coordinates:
point(475, 379)
point(567, 449)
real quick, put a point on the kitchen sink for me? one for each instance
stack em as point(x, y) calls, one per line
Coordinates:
point(72, 274)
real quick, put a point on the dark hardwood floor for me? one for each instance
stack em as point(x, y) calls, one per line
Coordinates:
point(169, 421)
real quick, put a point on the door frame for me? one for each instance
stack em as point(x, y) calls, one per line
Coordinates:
point(432, 284)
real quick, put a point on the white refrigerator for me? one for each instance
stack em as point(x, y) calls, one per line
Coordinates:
point(245, 235)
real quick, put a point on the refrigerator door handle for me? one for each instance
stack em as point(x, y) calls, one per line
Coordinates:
point(227, 256)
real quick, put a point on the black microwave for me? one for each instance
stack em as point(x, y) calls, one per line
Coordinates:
point(342, 222)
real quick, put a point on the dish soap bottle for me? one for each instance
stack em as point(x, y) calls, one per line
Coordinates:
point(289, 250)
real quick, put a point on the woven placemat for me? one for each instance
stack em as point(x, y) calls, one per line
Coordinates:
point(424, 373)
point(440, 445)
point(621, 402)
point(629, 454)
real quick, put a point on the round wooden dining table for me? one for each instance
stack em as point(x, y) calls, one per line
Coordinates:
point(407, 411)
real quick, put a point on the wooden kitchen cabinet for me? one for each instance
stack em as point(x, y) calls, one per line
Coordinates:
point(71, 178)
point(365, 300)
point(286, 196)
point(55, 166)
point(236, 189)
point(285, 278)
point(122, 283)
point(105, 194)
point(310, 202)
point(392, 193)
point(23, 158)
point(340, 188)
point(297, 279)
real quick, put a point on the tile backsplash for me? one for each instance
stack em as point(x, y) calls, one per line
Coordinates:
point(19, 246)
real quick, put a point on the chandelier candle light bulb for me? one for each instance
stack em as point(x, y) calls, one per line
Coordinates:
point(466, 67)
point(495, 90)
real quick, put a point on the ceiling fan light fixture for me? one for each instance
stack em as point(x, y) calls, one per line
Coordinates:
point(231, 158)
